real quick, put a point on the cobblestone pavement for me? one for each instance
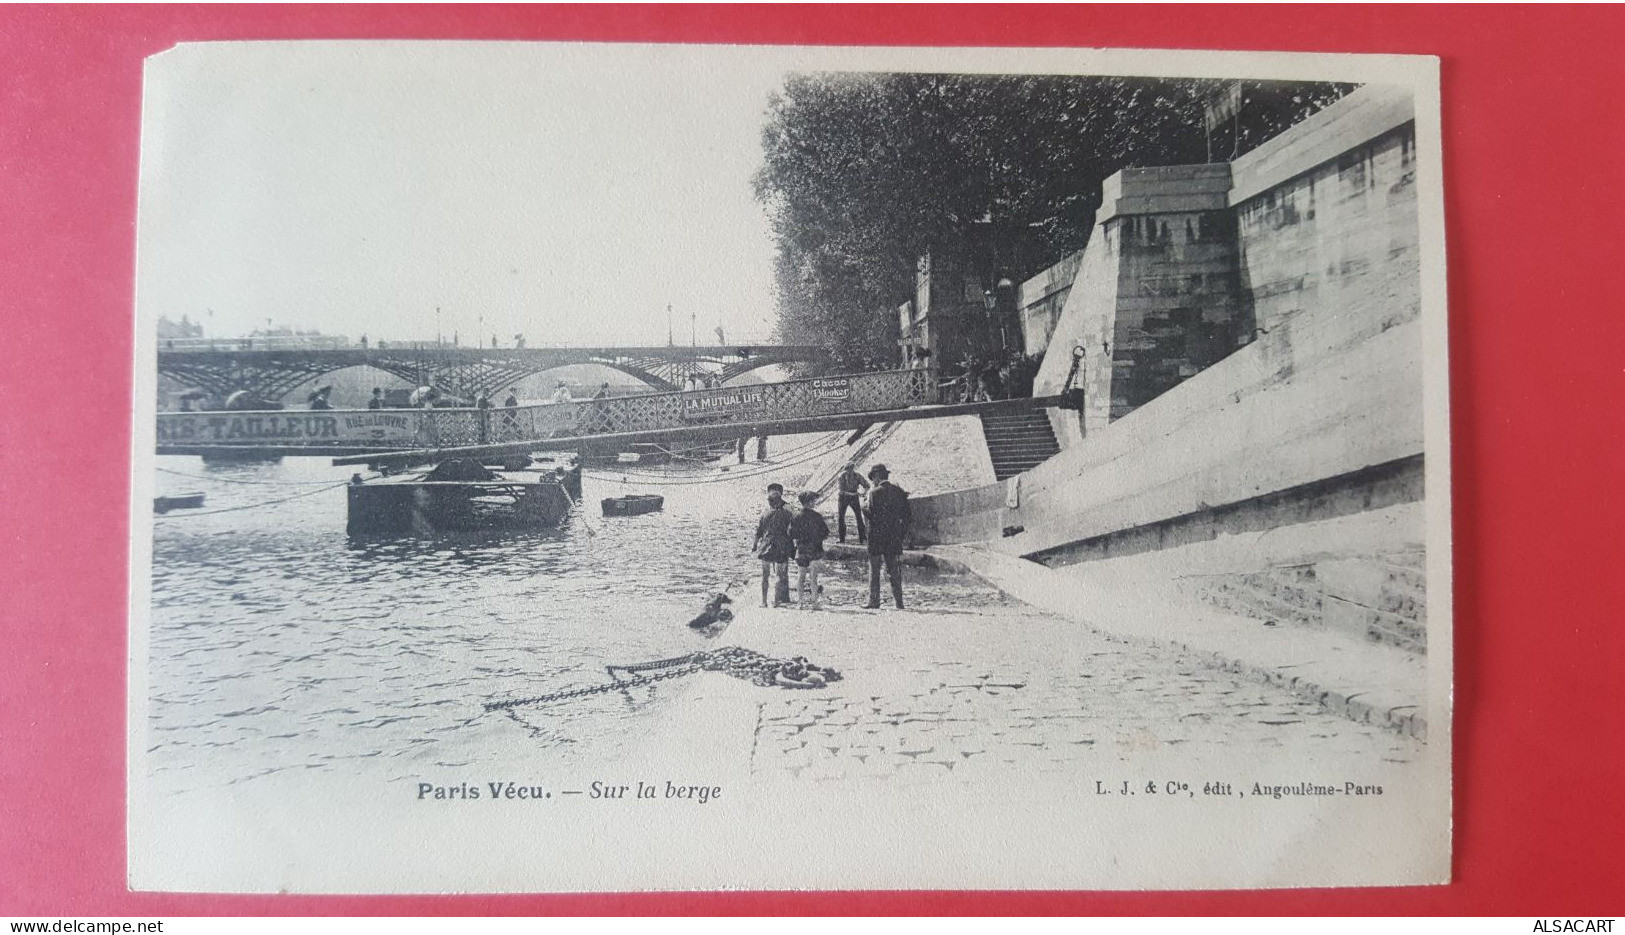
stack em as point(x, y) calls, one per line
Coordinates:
point(973, 684)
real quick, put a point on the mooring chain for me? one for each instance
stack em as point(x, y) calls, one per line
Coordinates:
point(589, 690)
point(747, 664)
point(658, 663)
point(742, 663)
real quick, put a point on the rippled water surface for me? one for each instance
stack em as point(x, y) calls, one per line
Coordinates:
point(280, 643)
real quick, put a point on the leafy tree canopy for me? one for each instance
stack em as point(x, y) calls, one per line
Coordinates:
point(864, 173)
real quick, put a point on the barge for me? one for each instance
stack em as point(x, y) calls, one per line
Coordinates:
point(463, 495)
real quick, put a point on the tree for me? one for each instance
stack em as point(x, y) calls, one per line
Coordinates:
point(864, 173)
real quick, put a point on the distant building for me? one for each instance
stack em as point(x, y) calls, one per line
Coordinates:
point(964, 301)
point(178, 330)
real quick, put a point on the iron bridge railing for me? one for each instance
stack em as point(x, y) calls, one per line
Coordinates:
point(394, 429)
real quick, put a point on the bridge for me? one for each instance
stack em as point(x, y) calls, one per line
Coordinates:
point(221, 368)
point(702, 416)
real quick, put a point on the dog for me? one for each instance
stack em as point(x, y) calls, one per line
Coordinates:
point(714, 613)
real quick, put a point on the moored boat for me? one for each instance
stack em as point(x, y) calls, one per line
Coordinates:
point(460, 495)
point(633, 504)
point(179, 501)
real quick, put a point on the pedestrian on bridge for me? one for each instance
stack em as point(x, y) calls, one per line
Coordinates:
point(852, 486)
point(510, 420)
point(377, 400)
point(483, 403)
point(889, 517)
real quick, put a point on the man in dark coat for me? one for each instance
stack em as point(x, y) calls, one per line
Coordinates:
point(888, 529)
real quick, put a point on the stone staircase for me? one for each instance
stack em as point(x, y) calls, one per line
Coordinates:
point(1018, 441)
point(1381, 598)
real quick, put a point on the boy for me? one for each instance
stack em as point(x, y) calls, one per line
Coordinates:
point(808, 531)
point(773, 545)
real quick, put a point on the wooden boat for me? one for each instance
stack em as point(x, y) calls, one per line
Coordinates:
point(227, 456)
point(180, 501)
point(633, 504)
point(461, 495)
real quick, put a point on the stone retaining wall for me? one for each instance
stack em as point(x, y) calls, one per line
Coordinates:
point(1252, 352)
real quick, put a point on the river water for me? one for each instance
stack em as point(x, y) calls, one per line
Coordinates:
point(279, 643)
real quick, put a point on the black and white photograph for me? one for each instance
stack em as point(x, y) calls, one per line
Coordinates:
point(589, 467)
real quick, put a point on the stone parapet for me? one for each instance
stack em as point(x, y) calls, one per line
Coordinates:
point(1160, 189)
point(1370, 112)
point(1041, 300)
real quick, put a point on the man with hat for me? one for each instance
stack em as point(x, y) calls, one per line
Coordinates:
point(888, 528)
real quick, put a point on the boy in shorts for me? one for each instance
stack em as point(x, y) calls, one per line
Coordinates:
point(808, 531)
point(773, 546)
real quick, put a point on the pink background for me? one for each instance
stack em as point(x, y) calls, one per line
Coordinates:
point(1534, 146)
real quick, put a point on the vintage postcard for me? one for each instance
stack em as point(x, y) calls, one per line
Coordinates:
point(583, 467)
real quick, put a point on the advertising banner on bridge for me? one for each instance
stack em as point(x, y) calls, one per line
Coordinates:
point(724, 405)
point(361, 427)
point(832, 389)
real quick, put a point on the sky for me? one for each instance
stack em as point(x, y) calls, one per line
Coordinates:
point(566, 192)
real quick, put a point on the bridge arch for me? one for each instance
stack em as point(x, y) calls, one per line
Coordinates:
point(497, 378)
point(740, 368)
point(273, 373)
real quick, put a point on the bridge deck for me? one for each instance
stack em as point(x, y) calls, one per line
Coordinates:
point(705, 433)
point(601, 424)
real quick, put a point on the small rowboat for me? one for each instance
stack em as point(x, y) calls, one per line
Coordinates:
point(181, 501)
point(633, 504)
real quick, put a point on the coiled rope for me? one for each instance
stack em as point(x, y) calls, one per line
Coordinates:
point(825, 440)
point(719, 476)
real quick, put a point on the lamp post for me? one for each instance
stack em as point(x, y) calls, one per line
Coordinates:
point(1004, 287)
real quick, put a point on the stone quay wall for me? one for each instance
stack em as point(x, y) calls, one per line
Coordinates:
point(1252, 351)
point(1041, 300)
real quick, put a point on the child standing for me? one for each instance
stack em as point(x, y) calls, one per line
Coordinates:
point(808, 530)
point(773, 544)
